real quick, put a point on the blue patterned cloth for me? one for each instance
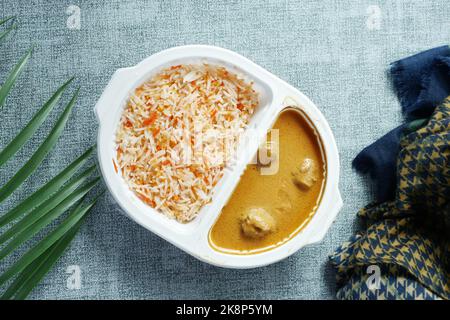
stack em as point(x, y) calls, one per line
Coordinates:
point(421, 81)
point(408, 238)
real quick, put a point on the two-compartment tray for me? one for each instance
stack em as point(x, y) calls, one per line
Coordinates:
point(275, 95)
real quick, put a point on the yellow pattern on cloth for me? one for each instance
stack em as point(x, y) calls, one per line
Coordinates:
point(413, 231)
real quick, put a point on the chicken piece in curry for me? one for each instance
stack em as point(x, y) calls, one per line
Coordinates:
point(306, 175)
point(266, 210)
point(256, 223)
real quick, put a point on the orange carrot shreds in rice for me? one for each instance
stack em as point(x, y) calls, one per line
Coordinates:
point(178, 132)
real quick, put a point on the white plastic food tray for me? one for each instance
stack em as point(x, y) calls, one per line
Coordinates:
point(275, 95)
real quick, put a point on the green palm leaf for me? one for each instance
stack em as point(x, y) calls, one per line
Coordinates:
point(32, 126)
point(27, 274)
point(45, 191)
point(37, 226)
point(34, 273)
point(46, 206)
point(29, 271)
point(46, 243)
point(4, 33)
point(35, 252)
point(7, 85)
point(2, 22)
point(40, 153)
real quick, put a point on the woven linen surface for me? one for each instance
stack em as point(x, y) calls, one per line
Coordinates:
point(336, 52)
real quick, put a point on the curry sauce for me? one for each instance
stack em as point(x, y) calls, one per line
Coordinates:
point(265, 211)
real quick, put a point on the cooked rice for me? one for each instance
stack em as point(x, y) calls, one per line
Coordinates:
point(178, 132)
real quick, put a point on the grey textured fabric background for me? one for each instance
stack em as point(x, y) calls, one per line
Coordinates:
point(330, 50)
